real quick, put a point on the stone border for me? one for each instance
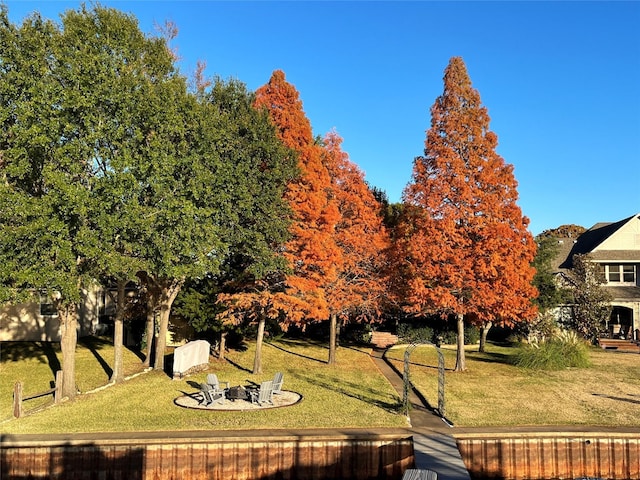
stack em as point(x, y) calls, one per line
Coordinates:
point(283, 399)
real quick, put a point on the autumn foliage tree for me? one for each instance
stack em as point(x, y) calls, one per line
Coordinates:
point(311, 252)
point(463, 244)
point(359, 286)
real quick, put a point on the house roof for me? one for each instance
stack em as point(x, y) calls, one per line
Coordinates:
point(590, 240)
point(624, 293)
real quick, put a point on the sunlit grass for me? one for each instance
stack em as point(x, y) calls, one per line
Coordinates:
point(352, 393)
point(493, 392)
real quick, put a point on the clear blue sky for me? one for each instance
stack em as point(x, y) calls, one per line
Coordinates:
point(561, 81)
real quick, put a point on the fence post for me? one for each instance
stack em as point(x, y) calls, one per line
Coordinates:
point(57, 395)
point(17, 400)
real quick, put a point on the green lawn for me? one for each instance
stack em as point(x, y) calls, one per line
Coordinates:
point(350, 394)
point(492, 392)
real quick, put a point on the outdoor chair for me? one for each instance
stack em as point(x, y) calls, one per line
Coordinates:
point(264, 394)
point(212, 379)
point(210, 395)
point(278, 379)
point(418, 474)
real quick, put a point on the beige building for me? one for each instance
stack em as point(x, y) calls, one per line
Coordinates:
point(615, 247)
point(38, 320)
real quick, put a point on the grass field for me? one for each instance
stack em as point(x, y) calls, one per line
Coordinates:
point(492, 392)
point(352, 393)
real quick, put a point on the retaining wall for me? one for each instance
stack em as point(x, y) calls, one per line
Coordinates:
point(359, 456)
point(511, 456)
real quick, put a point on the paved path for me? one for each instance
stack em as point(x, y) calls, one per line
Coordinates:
point(435, 449)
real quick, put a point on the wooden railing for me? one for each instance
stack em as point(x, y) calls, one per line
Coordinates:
point(19, 399)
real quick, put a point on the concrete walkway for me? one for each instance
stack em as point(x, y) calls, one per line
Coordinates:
point(435, 448)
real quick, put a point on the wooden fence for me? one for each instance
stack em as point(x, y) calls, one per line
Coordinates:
point(19, 399)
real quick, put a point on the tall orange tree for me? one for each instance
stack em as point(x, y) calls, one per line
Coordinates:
point(311, 252)
point(464, 244)
point(359, 285)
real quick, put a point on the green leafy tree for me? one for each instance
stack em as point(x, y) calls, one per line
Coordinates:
point(550, 292)
point(114, 67)
point(591, 301)
point(47, 167)
point(257, 224)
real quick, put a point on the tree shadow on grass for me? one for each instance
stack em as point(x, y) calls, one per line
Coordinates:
point(52, 357)
point(491, 357)
point(294, 353)
point(238, 366)
point(16, 351)
point(94, 344)
point(137, 353)
point(618, 399)
point(353, 390)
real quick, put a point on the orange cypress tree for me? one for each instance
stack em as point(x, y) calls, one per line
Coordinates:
point(464, 244)
point(358, 287)
point(311, 252)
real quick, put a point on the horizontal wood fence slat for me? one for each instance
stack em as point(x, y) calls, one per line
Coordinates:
point(18, 398)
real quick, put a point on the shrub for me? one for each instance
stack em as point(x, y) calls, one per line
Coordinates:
point(448, 337)
point(564, 350)
point(471, 335)
point(409, 334)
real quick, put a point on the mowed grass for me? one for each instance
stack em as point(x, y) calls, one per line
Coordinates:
point(492, 392)
point(350, 394)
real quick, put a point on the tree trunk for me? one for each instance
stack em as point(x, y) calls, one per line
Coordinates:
point(161, 341)
point(150, 333)
point(169, 291)
point(68, 340)
point(460, 358)
point(333, 336)
point(118, 334)
point(483, 335)
point(223, 345)
point(257, 360)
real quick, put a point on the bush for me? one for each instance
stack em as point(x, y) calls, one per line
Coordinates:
point(471, 335)
point(562, 351)
point(408, 333)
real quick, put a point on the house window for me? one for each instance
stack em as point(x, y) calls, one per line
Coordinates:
point(628, 273)
point(614, 273)
point(621, 273)
point(47, 307)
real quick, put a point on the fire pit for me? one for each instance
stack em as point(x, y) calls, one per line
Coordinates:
point(237, 393)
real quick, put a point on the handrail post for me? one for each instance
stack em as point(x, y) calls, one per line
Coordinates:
point(57, 394)
point(17, 400)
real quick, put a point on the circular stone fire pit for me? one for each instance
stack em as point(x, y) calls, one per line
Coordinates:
point(283, 399)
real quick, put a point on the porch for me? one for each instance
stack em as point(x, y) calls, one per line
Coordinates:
point(619, 345)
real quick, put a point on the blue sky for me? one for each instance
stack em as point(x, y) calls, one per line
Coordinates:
point(561, 81)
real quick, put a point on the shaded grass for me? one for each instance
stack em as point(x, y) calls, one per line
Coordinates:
point(350, 394)
point(494, 392)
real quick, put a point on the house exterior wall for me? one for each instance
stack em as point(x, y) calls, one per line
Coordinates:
point(24, 322)
point(626, 238)
point(615, 247)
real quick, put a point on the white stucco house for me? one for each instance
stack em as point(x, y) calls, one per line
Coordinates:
point(615, 247)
